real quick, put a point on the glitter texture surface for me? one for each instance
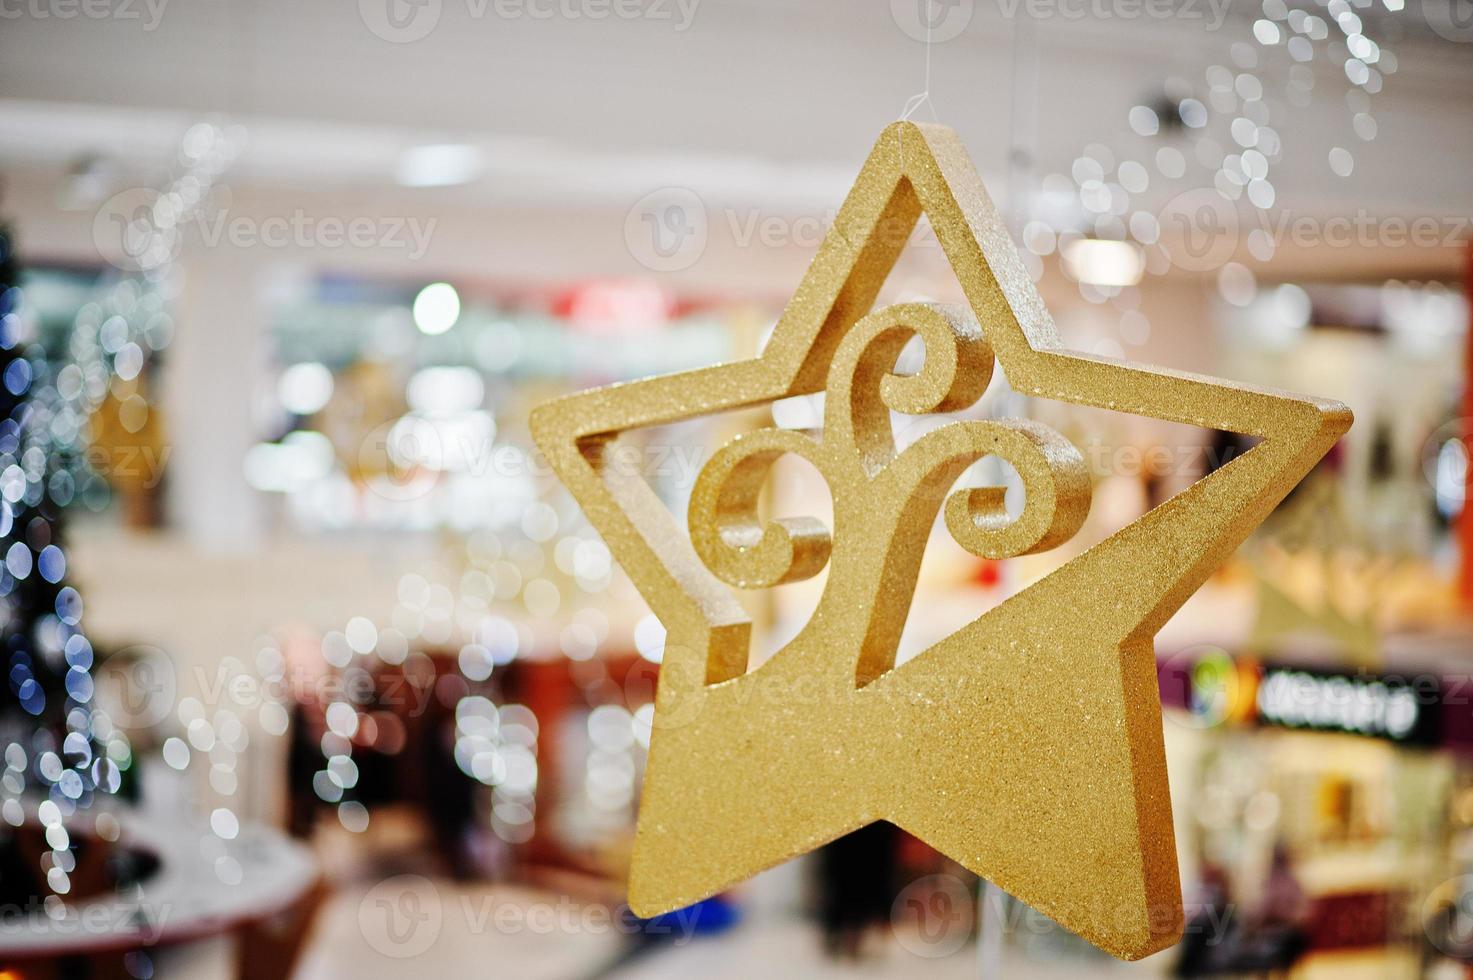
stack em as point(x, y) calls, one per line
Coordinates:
point(1027, 745)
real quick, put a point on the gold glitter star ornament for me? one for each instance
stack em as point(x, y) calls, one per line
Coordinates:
point(1027, 746)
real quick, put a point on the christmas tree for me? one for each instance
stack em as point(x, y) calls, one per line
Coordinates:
point(53, 738)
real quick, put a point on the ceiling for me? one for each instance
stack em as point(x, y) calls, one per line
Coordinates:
point(746, 101)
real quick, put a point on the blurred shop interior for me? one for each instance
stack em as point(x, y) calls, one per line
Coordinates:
point(302, 629)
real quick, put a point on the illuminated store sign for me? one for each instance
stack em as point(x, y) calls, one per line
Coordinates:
point(1380, 707)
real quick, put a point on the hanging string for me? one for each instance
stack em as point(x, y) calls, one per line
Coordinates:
point(923, 97)
point(1022, 123)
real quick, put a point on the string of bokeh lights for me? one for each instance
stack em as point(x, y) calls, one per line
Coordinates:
point(1236, 131)
point(44, 466)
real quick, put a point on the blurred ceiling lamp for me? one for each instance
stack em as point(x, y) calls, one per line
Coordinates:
point(1104, 262)
point(300, 459)
point(304, 389)
point(1425, 316)
point(1291, 307)
point(87, 182)
point(445, 390)
point(1272, 318)
point(436, 308)
point(439, 165)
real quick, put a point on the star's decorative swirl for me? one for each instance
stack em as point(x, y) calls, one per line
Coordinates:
point(889, 499)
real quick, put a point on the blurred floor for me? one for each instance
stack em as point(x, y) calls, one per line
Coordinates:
point(792, 949)
point(463, 937)
point(455, 934)
point(473, 929)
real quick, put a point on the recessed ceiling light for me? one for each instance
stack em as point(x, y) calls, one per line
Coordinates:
point(439, 165)
point(1104, 262)
point(436, 308)
point(304, 389)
